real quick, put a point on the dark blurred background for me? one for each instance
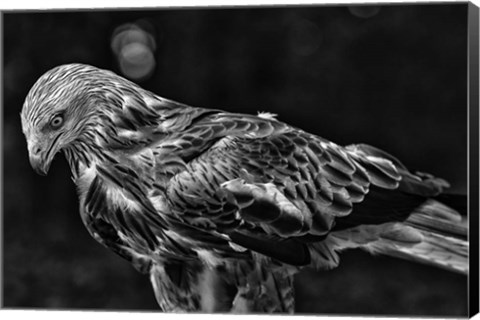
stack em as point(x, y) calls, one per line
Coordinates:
point(391, 76)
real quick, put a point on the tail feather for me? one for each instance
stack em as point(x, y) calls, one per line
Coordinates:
point(443, 238)
point(440, 251)
point(434, 234)
point(435, 216)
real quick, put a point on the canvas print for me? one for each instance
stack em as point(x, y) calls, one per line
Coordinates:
point(282, 159)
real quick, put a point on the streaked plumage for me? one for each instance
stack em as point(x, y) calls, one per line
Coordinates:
point(221, 209)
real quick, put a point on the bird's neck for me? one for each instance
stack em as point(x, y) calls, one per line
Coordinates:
point(82, 155)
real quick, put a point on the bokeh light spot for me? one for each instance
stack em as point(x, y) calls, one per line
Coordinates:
point(134, 48)
point(136, 61)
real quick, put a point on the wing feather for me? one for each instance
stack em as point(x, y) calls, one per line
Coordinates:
point(301, 182)
point(237, 171)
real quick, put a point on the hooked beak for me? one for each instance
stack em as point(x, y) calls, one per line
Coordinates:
point(40, 165)
point(41, 156)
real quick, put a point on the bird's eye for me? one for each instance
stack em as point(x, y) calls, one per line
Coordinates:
point(56, 122)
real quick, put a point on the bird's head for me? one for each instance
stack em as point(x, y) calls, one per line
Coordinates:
point(56, 111)
point(78, 107)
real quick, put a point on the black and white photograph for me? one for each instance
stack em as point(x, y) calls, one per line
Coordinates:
point(271, 159)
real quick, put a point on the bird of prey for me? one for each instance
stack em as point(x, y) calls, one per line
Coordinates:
point(222, 209)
